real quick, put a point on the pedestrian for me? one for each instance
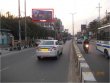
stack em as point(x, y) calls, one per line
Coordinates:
point(18, 45)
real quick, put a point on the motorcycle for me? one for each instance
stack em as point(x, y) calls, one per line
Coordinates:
point(86, 48)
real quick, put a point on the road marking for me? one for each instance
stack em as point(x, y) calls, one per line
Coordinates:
point(70, 74)
point(4, 69)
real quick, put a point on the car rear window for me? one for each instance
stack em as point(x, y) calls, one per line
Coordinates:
point(47, 43)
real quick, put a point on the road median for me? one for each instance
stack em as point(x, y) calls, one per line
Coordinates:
point(82, 67)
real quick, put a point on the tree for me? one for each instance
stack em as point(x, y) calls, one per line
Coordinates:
point(58, 23)
point(33, 30)
point(93, 26)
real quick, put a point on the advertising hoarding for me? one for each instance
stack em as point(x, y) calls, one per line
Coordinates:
point(42, 15)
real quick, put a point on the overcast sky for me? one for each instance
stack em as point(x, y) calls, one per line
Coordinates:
point(85, 10)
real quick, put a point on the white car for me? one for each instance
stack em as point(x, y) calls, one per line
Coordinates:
point(49, 48)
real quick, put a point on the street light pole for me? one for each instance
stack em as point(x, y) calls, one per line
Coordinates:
point(73, 22)
point(19, 21)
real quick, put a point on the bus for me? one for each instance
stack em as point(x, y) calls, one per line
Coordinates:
point(103, 40)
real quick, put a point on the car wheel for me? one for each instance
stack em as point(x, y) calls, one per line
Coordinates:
point(57, 56)
point(61, 53)
point(39, 58)
point(106, 54)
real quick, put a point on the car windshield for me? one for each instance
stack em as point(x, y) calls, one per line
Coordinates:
point(47, 43)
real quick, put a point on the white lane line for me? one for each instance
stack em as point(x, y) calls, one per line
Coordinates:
point(4, 69)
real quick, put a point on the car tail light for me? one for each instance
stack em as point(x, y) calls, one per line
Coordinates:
point(52, 48)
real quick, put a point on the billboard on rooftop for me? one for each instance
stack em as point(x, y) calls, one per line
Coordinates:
point(42, 15)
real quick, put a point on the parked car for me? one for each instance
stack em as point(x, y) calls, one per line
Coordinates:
point(49, 48)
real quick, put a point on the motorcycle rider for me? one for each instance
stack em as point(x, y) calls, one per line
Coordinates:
point(86, 42)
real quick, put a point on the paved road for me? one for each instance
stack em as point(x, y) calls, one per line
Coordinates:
point(23, 67)
point(97, 62)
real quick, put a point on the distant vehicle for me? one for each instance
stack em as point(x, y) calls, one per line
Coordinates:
point(79, 41)
point(103, 40)
point(49, 48)
point(86, 48)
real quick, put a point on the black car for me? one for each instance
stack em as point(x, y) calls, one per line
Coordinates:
point(79, 41)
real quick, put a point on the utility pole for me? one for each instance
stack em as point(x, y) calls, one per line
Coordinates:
point(99, 7)
point(0, 27)
point(25, 21)
point(0, 22)
point(19, 21)
point(0, 34)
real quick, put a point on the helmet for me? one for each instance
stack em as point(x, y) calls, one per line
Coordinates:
point(85, 37)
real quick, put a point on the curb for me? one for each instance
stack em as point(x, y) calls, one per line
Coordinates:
point(83, 68)
point(12, 50)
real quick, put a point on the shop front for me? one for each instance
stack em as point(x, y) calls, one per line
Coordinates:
point(6, 37)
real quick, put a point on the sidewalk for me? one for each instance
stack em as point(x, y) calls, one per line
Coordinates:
point(6, 50)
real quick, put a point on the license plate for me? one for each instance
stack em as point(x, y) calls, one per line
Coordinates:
point(44, 50)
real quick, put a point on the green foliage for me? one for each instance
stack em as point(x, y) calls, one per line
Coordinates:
point(58, 23)
point(93, 25)
point(33, 30)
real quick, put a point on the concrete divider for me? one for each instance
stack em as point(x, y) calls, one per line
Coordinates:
point(80, 60)
point(83, 67)
point(86, 76)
